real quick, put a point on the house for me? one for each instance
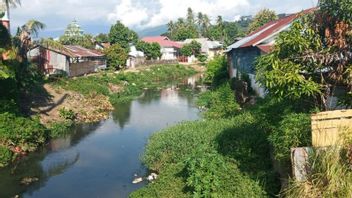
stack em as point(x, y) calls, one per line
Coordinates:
point(243, 53)
point(102, 46)
point(135, 57)
point(209, 48)
point(170, 50)
point(71, 60)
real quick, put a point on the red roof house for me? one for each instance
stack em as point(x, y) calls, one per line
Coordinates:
point(169, 49)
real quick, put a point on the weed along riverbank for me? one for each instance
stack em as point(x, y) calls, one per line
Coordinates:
point(89, 99)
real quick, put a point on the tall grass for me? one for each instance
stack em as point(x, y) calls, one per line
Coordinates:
point(330, 176)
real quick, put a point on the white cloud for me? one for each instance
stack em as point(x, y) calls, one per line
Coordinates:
point(129, 13)
point(133, 14)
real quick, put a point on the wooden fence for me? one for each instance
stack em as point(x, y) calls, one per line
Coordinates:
point(327, 127)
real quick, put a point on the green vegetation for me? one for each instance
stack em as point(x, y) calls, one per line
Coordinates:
point(190, 49)
point(312, 61)
point(60, 129)
point(5, 156)
point(67, 114)
point(151, 50)
point(198, 25)
point(122, 35)
point(116, 56)
point(125, 85)
point(261, 18)
point(19, 131)
point(330, 176)
point(178, 153)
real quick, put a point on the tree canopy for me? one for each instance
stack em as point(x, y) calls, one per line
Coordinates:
point(199, 25)
point(122, 35)
point(193, 48)
point(116, 56)
point(313, 59)
point(151, 50)
point(261, 18)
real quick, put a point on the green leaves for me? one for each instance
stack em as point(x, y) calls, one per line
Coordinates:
point(122, 35)
point(192, 48)
point(261, 18)
point(116, 56)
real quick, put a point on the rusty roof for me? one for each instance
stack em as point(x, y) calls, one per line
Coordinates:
point(267, 31)
point(75, 51)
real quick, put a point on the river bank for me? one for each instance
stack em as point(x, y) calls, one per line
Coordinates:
point(87, 99)
point(102, 159)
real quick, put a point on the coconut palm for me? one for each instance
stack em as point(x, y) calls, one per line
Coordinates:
point(24, 36)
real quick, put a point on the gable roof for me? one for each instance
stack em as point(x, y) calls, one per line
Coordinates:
point(75, 51)
point(162, 40)
point(258, 37)
point(205, 42)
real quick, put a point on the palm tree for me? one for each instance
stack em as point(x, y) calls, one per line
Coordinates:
point(24, 36)
point(10, 3)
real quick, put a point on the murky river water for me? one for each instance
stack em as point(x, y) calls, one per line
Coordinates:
point(100, 160)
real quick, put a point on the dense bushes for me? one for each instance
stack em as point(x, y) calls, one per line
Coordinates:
point(230, 152)
point(20, 131)
point(219, 103)
point(5, 156)
point(216, 73)
point(293, 131)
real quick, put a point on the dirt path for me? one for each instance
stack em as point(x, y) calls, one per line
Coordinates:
point(49, 104)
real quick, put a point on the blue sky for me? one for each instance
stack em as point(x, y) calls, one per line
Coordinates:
point(97, 15)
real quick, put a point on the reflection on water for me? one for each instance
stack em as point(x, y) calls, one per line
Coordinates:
point(100, 160)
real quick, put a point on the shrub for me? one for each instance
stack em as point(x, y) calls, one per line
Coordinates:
point(21, 131)
point(293, 131)
point(216, 73)
point(219, 103)
point(67, 114)
point(5, 156)
point(60, 129)
point(190, 154)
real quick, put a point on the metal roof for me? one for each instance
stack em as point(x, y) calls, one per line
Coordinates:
point(267, 31)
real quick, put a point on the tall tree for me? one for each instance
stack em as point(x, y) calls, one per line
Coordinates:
point(261, 18)
point(122, 35)
point(190, 17)
point(24, 37)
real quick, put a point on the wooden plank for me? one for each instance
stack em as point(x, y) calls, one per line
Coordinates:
point(332, 114)
point(327, 127)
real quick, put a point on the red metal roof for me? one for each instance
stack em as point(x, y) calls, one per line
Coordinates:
point(162, 40)
point(267, 30)
point(265, 48)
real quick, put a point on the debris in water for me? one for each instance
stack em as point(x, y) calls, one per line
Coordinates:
point(137, 180)
point(28, 180)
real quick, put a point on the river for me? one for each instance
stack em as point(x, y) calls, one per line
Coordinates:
point(102, 159)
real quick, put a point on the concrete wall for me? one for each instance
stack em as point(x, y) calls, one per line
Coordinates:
point(169, 53)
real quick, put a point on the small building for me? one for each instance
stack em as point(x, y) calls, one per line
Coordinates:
point(170, 50)
point(135, 57)
point(243, 53)
point(71, 60)
point(102, 46)
point(209, 48)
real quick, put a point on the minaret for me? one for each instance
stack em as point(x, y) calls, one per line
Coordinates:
point(5, 21)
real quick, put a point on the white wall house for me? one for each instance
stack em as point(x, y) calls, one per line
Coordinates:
point(170, 50)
